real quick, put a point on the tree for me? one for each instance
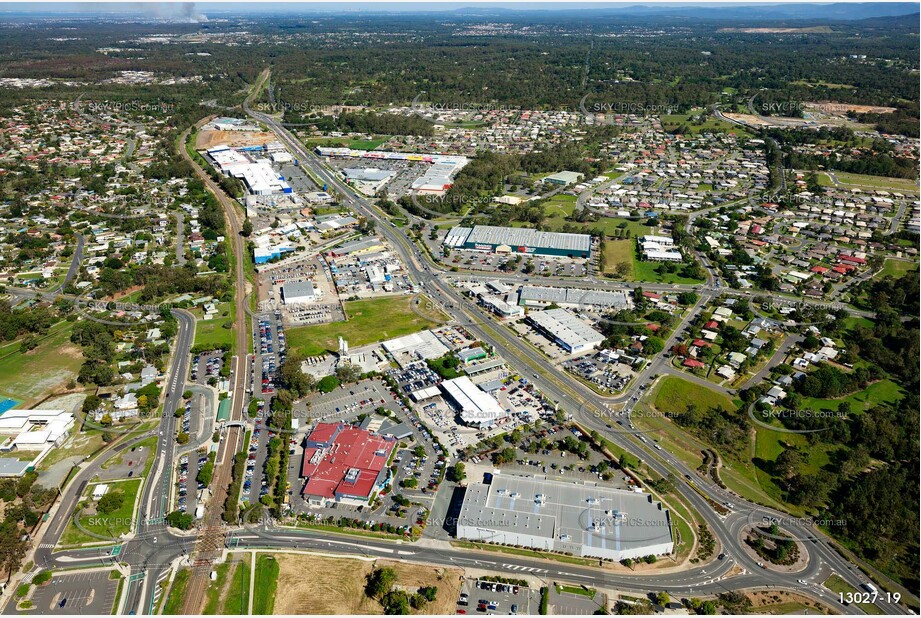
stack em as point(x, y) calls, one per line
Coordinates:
point(12, 548)
point(380, 581)
point(347, 372)
point(328, 384)
point(182, 438)
point(106, 420)
point(247, 229)
point(110, 502)
point(179, 519)
point(429, 593)
point(458, 472)
point(662, 598)
point(653, 345)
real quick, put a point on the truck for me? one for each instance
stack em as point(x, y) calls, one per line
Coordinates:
point(871, 589)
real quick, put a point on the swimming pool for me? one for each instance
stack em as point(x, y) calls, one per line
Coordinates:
point(7, 404)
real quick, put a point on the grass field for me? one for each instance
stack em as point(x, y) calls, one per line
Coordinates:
point(357, 144)
point(670, 122)
point(869, 182)
point(217, 331)
point(616, 252)
point(176, 598)
point(236, 599)
point(647, 271)
point(674, 395)
point(884, 391)
point(265, 585)
point(612, 226)
point(560, 206)
point(215, 588)
point(111, 524)
point(369, 321)
point(30, 375)
point(896, 268)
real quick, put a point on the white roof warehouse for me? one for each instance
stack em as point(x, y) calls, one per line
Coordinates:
point(583, 519)
point(571, 333)
point(475, 407)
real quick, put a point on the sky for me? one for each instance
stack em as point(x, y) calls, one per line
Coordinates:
point(184, 8)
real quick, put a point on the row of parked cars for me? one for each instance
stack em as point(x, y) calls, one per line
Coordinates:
point(184, 479)
point(254, 449)
point(212, 366)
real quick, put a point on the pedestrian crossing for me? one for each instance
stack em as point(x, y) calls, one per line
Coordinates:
point(46, 546)
point(518, 567)
point(158, 588)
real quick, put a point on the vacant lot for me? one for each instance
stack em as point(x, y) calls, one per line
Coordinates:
point(30, 375)
point(210, 139)
point(674, 395)
point(897, 268)
point(884, 391)
point(217, 331)
point(320, 585)
point(369, 321)
point(849, 180)
point(617, 252)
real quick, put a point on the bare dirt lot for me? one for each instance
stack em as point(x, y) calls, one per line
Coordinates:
point(320, 585)
point(844, 108)
point(783, 602)
point(210, 139)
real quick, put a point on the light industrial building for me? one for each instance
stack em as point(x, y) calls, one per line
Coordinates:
point(565, 329)
point(475, 407)
point(582, 519)
point(519, 240)
point(541, 296)
point(415, 347)
point(297, 292)
point(368, 179)
point(659, 249)
point(564, 178)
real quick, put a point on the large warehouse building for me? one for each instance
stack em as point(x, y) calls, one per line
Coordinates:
point(519, 240)
point(583, 519)
point(475, 407)
point(568, 331)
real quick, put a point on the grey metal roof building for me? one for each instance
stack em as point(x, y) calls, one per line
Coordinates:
point(298, 292)
point(584, 519)
point(520, 240)
point(571, 333)
point(572, 297)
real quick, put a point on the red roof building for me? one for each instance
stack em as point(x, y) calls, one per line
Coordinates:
point(693, 364)
point(344, 463)
point(852, 259)
point(821, 270)
point(700, 343)
point(711, 324)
